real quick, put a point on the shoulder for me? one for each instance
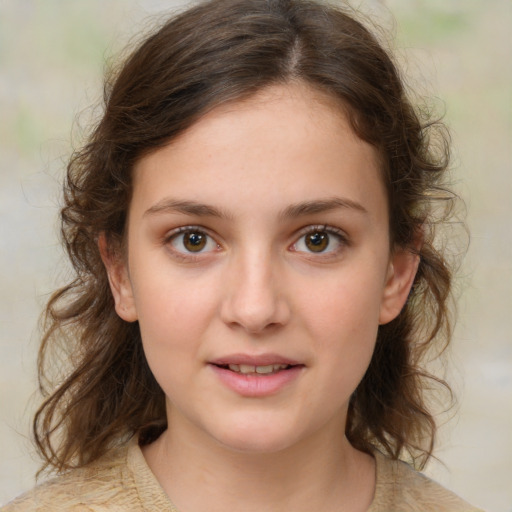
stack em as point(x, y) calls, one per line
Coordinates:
point(103, 485)
point(402, 489)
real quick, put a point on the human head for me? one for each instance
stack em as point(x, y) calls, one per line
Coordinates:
point(217, 52)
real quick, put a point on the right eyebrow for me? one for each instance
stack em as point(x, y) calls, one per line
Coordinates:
point(169, 205)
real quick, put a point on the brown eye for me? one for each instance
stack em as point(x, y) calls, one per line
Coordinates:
point(321, 240)
point(317, 241)
point(192, 241)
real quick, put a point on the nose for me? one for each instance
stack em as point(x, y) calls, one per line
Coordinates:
point(254, 298)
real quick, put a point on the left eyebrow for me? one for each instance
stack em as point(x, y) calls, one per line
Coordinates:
point(321, 206)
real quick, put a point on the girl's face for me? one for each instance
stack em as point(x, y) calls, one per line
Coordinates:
point(259, 268)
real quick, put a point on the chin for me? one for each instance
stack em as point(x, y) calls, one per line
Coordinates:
point(255, 445)
point(257, 437)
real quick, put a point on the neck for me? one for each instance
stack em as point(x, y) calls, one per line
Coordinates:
point(318, 473)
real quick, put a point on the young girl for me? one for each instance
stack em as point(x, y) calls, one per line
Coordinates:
point(257, 281)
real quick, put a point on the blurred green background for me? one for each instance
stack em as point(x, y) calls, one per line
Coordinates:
point(52, 56)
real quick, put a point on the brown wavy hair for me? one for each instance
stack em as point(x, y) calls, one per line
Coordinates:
point(98, 388)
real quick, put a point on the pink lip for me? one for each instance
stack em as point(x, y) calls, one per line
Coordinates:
point(256, 385)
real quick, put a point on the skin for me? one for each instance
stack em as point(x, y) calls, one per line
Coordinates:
point(270, 170)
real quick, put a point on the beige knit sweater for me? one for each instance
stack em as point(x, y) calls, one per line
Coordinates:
point(122, 481)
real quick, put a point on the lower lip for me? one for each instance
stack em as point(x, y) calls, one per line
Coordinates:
point(257, 385)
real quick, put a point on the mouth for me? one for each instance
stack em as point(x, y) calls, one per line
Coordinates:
point(249, 369)
point(257, 376)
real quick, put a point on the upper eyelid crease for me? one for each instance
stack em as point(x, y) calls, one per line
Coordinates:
point(323, 227)
point(187, 229)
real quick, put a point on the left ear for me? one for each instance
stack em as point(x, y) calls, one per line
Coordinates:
point(402, 269)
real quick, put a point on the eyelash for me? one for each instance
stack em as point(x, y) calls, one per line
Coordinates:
point(331, 232)
point(187, 255)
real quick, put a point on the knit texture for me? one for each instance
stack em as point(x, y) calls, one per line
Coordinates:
point(122, 481)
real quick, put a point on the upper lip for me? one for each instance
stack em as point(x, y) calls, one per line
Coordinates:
point(254, 360)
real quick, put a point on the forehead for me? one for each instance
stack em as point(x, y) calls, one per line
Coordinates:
point(285, 143)
point(305, 107)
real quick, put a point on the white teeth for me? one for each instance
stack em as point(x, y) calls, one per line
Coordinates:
point(265, 369)
point(248, 369)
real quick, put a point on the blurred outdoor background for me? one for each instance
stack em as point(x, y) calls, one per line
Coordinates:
point(52, 55)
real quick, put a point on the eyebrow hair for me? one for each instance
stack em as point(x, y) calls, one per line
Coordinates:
point(169, 205)
point(320, 206)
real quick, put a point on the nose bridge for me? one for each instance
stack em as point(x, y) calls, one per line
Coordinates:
point(254, 297)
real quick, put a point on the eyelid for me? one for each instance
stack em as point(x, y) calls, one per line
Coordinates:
point(183, 229)
point(322, 227)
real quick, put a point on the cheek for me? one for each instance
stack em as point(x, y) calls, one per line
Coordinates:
point(347, 303)
point(173, 316)
point(343, 319)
